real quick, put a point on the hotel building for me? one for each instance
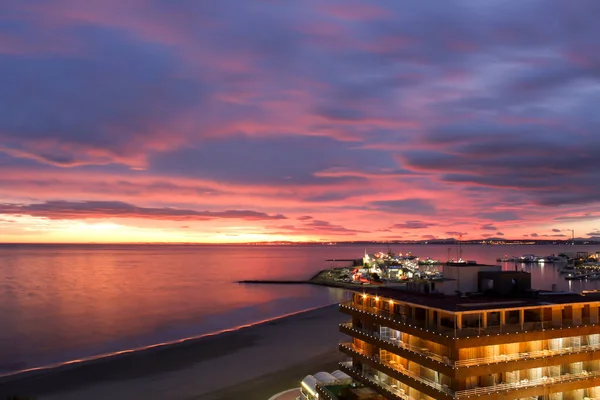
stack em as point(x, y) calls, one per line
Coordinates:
point(481, 334)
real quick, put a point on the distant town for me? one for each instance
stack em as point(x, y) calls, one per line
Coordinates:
point(446, 241)
point(486, 241)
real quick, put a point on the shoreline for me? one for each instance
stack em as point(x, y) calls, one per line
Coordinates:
point(65, 365)
point(175, 368)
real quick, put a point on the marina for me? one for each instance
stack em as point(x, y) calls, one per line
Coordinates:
point(387, 269)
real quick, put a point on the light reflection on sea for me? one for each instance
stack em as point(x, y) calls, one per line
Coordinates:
point(61, 302)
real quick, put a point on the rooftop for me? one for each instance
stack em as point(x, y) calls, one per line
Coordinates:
point(478, 301)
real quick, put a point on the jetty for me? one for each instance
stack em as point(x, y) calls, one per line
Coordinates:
point(578, 276)
point(272, 282)
point(327, 277)
point(319, 278)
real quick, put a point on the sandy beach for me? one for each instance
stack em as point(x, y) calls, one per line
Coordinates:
point(254, 362)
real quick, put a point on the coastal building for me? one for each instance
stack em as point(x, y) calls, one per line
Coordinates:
point(491, 337)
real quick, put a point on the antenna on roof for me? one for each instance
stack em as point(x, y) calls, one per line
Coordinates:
point(458, 248)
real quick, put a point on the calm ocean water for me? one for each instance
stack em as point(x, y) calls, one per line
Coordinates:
point(66, 302)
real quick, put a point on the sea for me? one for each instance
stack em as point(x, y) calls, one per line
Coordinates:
point(60, 303)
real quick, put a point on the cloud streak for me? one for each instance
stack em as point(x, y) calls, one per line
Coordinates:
point(61, 210)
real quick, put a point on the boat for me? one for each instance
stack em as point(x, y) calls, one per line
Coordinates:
point(507, 259)
point(530, 258)
point(574, 276)
point(590, 264)
point(555, 259)
point(567, 269)
point(428, 261)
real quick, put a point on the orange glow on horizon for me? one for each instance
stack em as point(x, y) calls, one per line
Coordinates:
point(29, 229)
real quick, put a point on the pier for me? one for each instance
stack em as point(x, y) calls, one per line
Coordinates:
point(356, 262)
point(574, 277)
point(273, 282)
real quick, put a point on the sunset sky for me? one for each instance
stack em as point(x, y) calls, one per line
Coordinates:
point(237, 121)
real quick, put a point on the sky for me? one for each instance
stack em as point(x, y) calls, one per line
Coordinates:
point(313, 120)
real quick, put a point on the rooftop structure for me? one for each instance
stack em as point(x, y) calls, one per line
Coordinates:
point(495, 339)
point(335, 381)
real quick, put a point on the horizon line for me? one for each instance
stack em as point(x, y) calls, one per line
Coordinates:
point(591, 240)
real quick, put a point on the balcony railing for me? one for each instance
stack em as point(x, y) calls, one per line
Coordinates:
point(525, 383)
point(402, 345)
point(473, 361)
point(527, 355)
point(392, 390)
point(467, 332)
point(522, 384)
point(391, 365)
point(401, 319)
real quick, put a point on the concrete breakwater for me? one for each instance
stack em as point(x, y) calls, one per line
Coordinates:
point(276, 282)
point(326, 277)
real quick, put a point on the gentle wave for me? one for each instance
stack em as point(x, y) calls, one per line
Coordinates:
point(15, 374)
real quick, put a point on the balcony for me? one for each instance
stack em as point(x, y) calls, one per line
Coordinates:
point(501, 389)
point(403, 320)
point(391, 391)
point(528, 355)
point(349, 349)
point(526, 384)
point(467, 332)
point(420, 351)
point(502, 358)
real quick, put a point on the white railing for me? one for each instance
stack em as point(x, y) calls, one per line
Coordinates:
point(401, 344)
point(472, 361)
point(522, 384)
point(531, 354)
point(400, 369)
point(402, 319)
point(525, 383)
point(395, 391)
point(467, 331)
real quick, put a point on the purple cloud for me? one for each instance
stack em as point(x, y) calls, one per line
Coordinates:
point(117, 209)
point(413, 225)
point(488, 227)
point(405, 206)
point(499, 216)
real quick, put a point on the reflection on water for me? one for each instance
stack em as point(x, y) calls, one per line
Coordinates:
point(64, 302)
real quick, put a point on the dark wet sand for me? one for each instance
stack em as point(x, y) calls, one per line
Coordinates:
point(253, 362)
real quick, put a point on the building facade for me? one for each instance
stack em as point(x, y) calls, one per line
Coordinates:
point(521, 345)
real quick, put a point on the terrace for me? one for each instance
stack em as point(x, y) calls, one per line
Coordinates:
point(478, 323)
point(500, 358)
point(501, 389)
